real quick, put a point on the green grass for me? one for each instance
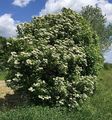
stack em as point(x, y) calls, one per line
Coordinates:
point(3, 75)
point(98, 107)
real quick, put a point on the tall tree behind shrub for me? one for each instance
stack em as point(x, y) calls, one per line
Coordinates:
point(98, 22)
point(55, 59)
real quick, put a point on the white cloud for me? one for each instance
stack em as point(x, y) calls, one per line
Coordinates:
point(53, 6)
point(7, 26)
point(21, 3)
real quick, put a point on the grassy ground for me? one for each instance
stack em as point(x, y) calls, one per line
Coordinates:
point(98, 107)
point(2, 75)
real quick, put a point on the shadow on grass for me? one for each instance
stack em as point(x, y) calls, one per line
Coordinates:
point(13, 100)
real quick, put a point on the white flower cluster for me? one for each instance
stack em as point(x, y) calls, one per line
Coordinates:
point(38, 83)
point(13, 53)
point(9, 81)
point(29, 62)
point(43, 97)
point(31, 89)
point(15, 79)
point(16, 62)
point(18, 74)
point(25, 54)
point(13, 57)
point(8, 43)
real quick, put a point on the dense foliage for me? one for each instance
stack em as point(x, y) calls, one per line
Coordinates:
point(3, 53)
point(55, 59)
point(6, 46)
point(98, 22)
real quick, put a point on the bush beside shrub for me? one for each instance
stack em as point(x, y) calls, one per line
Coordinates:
point(3, 54)
point(55, 59)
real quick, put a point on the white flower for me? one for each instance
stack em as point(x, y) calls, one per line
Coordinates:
point(15, 79)
point(22, 53)
point(47, 97)
point(10, 58)
point(57, 97)
point(18, 74)
point(40, 82)
point(31, 89)
point(25, 54)
point(41, 97)
point(77, 95)
point(36, 84)
point(40, 68)
point(29, 62)
point(44, 97)
point(16, 62)
point(13, 53)
point(45, 61)
point(84, 96)
point(9, 81)
point(30, 42)
point(76, 103)
point(61, 102)
point(8, 43)
point(34, 52)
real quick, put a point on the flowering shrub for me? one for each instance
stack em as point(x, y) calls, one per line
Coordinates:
point(55, 59)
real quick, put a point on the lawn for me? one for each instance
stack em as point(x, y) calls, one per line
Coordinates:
point(98, 107)
point(3, 75)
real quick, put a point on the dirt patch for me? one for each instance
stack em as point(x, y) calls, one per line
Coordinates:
point(9, 98)
point(4, 90)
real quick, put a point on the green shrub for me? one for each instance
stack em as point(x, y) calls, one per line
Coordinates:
point(55, 59)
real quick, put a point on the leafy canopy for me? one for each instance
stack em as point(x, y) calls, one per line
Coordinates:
point(98, 22)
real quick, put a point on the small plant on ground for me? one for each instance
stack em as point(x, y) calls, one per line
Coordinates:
point(55, 59)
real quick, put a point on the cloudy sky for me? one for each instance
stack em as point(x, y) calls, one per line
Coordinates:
point(13, 12)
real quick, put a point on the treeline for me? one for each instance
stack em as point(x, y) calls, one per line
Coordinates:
point(107, 66)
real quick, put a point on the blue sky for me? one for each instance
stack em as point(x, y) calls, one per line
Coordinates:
point(21, 13)
point(34, 7)
point(13, 12)
point(110, 1)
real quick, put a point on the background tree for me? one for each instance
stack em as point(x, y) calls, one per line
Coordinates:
point(98, 22)
point(6, 46)
point(3, 51)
